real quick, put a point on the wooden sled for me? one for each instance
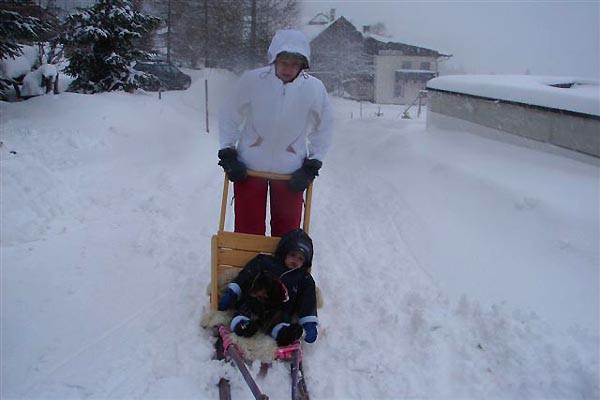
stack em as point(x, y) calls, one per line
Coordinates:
point(231, 251)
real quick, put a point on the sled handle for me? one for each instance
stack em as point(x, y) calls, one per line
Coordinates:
point(267, 175)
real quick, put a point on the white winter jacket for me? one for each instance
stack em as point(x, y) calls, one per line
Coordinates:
point(273, 125)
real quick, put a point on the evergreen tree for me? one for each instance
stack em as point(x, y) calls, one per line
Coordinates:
point(378, 28)
point(104, 38)
point(15, 27)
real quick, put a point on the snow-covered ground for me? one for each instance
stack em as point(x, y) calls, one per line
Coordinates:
point(452, 266)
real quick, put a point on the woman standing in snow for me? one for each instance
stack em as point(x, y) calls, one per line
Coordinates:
point(280, 121)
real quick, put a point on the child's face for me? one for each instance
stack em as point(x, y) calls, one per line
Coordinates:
point(294, 259)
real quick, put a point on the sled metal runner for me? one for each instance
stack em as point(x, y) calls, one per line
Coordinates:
point(299, 389)
point(234, 354)
point(232, 251)
point(227, 350)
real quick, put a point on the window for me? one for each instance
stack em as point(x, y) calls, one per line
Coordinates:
point(426, 65)
point(399, 84)
point(406, 65)
point(398, 89)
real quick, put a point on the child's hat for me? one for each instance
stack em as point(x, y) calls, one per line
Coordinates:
point(297, 240)
point(303, 247)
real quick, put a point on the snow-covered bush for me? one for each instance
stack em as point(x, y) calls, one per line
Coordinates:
point(103, 41)
point(14, 26)
point(39, 81)
point(38, 70)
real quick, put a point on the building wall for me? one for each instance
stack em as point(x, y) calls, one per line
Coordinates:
point(386, 87)
point(336, 55)
point(573, 131)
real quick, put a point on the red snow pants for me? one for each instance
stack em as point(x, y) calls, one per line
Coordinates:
point(251, 206)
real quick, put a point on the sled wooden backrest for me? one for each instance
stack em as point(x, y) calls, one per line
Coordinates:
point(231, 251)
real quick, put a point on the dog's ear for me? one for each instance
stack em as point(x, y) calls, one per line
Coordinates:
point(260, 282)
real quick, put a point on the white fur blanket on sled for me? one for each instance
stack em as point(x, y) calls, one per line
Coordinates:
point(260, 346)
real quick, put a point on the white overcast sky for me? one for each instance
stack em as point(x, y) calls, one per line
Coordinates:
point(502, 37)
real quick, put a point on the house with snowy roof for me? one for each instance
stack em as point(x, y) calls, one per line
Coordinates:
point(366, 66)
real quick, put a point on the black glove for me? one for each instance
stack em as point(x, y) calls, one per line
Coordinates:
point(246, 328)
point(235, 169)
point(305, 174)
point(289, 334)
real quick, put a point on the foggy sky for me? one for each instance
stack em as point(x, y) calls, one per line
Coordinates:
point(502, 37)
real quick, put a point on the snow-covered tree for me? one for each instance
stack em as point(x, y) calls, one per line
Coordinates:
point(378, 28)
point(14, 26)
point(103, 39)
point(228, 34)
point(206, 30)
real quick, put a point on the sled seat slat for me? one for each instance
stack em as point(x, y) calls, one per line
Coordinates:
point(247, 242)
point(226, 274)
point(231, 252)
point(225, 269)
point(235, 258)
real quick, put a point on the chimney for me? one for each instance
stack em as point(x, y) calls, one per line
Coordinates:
point(332, 15)
point(366, 28)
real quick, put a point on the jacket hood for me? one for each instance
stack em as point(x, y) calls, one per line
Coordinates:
point(298, 240)
point(291, 41)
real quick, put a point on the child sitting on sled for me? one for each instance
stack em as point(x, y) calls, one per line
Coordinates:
point(271, 290)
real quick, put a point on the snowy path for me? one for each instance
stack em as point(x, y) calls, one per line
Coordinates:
point(108, 211)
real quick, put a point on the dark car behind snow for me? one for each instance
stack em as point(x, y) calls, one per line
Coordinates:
point(169, 76)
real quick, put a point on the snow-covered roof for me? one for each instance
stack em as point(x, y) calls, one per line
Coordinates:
point(381, 38)
point(416, 71)
point(315, 27)
point(312, 31)
point(563, 93)
point(320, 19)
